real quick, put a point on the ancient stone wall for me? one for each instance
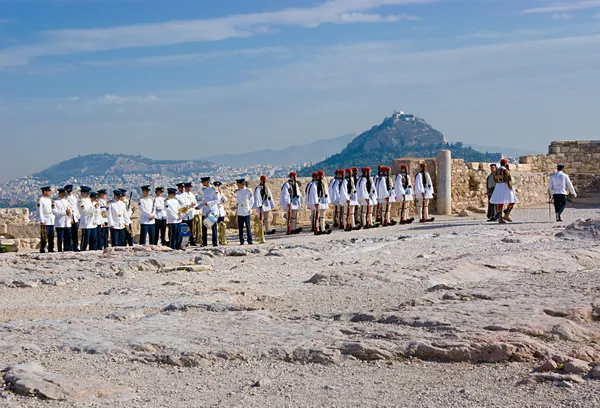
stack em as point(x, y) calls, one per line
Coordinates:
point(581, 158)
point(17, 232)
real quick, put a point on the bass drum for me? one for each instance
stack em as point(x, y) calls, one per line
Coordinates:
point(185, 235)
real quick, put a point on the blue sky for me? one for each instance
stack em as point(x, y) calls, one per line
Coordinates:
point(186, 79)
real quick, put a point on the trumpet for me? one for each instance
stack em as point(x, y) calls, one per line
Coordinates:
point(184, 209)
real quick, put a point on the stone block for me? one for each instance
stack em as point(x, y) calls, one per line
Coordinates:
point(11, 245)
point(24, 230)
point(3, 229)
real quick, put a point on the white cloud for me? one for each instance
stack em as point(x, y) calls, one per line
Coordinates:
point(563, 6)
point(122, 100)
point(71, 41)
point(178, 59)
point(562, 16)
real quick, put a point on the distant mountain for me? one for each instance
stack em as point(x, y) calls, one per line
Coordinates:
point(506, 151)
point(400, 135)
point(120, 164)
point(310, 153)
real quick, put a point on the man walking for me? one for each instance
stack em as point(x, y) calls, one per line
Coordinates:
point(559, 183)
point(504, 193)
point(491, 185)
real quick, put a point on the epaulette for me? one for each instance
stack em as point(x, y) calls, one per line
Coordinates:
point(81, 200)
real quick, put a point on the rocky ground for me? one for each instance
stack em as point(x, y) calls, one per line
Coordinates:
point(456, 313)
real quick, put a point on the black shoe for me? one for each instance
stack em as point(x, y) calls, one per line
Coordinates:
point(193, 244)
point(410, 220)
point(327, 226)
point(42, 251)
point(392, 223)
point(181, 249)
point(491, 220)
point(328, 232)
point(357, 228)
point(430, 220)
point(51, 251)
point(298, 230)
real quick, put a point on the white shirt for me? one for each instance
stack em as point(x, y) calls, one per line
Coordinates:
point(172, 209)
point(399, 189)
point(245, 201)
point(287, 199)
point(384, 191)
point(116, 214)
point(312, 198)
point(559, 182)
point(103, 207)
point(334, 190)
point(60, 213)
point(212, 199)
point(423, 187)
point(87, 210)
point(346, 196)
point(363, 193)
point(222, 201)
point(147, 210)
point(267, 204)
point(75, 206)
point(45, 214)
point(161, 214)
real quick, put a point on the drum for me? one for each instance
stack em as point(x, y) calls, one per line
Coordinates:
point(210, 220)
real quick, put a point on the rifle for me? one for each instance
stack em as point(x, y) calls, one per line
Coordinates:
point(261, 227)
point(424, 218)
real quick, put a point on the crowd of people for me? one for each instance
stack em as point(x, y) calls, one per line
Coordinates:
point(360, 201)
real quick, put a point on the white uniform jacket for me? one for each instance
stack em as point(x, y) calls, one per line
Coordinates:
point(74, 201)
point(334, 191)
point(423, 187)
point(385, 189)
point(347, 193)
point(263, 198)
point(290, 194)
point(116, 214)
point(87, 210)
point(103, 212)
point(172, 210)
point(559, 183)
point(211, 197)
point(61, 220)
point(245, 201)
point(161, 213)
point(45, 214)
point(365, 190)
point(148, 210)
point(402, 187)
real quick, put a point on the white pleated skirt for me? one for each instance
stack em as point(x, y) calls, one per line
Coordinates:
point(503, 195)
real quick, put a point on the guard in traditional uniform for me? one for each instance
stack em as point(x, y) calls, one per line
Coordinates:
point(386, 196)
point(160, 226)
point(403, 191)
point(222, 228)
point(62, 221)
point(491, 185)
point(323, 206)
point(291, 201)
point(116, 219)
point(504, 193)
point(46, 217)
point(87, 210)
point(310, 205)
point(147, 207)
point(128, 214)
point(263, 202)
point(74, 202)
point(174, 217)
point(210, 208)
point(245, 202)
point(357, 212)
point(559, 183)
point(102, 229)
point(334, 196)
point(350, 201)
point(367, 197)
point(377, 181)
point(424, 193)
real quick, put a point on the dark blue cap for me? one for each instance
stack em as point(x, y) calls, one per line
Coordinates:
point(93, 194)
point(102, 191)
point(69, 187)
point(203, 179)
point(242, 180)
point(145, 188)
point(85, 189)
point(118, 192)
point(123, 190)
point(171, 190)
point(61, 190)
point(46, 188)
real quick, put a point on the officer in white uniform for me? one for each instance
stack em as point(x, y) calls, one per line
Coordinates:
point(160, 229)
point(45, 208)
point(210, 207)
point(102, 229)
point(62, 221)
point(127, 217)
point(87, 210)
point(174, 219)
point(245, 202)
point(73, 200)
point(147, 207)
point(116, 219)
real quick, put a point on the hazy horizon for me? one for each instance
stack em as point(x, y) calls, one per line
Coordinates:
point(186, 80)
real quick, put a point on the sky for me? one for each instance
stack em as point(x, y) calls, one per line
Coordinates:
point(184, 79)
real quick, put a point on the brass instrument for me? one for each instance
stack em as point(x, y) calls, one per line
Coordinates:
point(261, 228)
point(222, 231)
point(184, 209)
